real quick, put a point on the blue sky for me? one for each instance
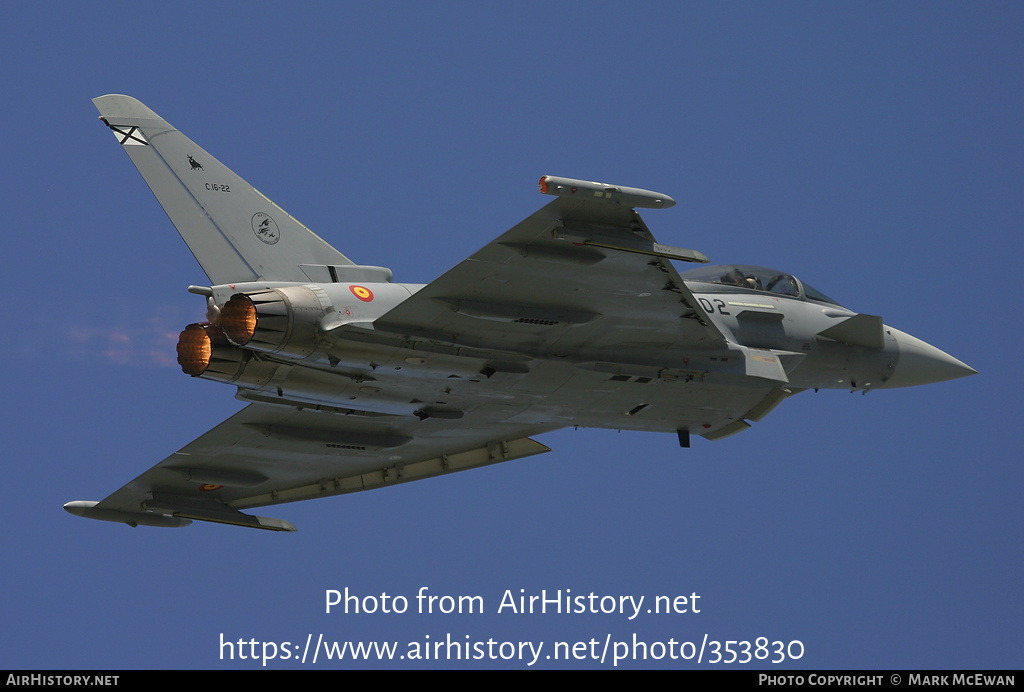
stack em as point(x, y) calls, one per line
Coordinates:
point(873, 149)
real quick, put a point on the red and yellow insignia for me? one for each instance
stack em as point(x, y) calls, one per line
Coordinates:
point(207, 487)
point(362, 293)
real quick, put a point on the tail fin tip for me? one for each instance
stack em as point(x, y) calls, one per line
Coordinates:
point(238, 234)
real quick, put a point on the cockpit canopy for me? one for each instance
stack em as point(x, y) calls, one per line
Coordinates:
point(759, 279)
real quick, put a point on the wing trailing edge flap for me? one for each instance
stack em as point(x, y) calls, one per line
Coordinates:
point(205, 509)
point(492, 453)
point(597, 237)
point(234, 231)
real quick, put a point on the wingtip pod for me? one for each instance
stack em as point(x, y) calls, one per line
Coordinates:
point(88, 509)
point(615, 194)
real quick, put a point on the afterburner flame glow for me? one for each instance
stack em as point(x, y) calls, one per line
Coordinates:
point(238, 319)
point(194, 349)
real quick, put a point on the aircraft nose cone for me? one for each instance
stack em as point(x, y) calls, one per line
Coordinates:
point(921, 363)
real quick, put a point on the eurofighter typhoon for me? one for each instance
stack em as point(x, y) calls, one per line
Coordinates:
point(574, 317)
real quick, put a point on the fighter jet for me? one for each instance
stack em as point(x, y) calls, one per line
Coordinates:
point(576, 316)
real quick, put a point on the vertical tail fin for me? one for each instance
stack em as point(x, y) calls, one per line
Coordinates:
point(235, 232)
